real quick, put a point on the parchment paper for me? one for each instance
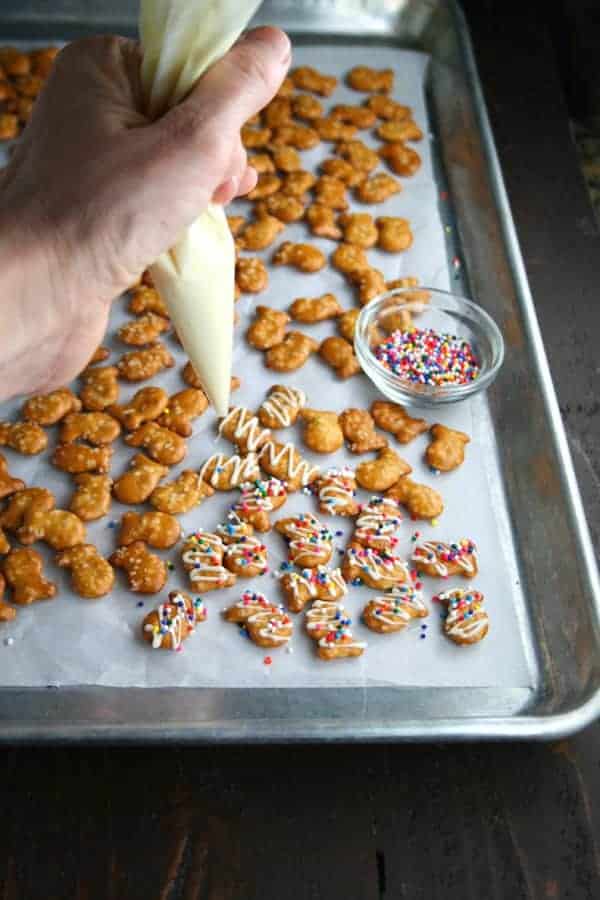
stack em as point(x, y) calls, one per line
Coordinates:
point(74, 641)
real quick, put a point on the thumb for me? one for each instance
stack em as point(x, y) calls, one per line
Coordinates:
point(243, 81)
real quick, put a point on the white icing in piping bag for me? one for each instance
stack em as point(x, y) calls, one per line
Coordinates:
point(180, 40)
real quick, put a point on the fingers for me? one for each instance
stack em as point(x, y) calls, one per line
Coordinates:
point(243, 82)
point(248, 181)
point(236, 187)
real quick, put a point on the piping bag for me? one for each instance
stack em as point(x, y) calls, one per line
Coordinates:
point(180, 40)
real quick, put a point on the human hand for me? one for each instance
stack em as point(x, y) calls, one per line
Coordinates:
point(94, 192)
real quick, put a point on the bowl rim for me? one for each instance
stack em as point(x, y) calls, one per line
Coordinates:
point(427, 394)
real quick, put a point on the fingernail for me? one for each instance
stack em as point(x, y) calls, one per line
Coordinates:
point(277, 40)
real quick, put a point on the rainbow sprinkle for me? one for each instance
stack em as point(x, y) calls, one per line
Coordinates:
point(426, 356)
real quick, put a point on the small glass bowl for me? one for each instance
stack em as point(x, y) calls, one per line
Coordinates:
point(430, 308)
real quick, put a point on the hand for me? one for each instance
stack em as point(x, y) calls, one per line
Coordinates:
point(94, 192)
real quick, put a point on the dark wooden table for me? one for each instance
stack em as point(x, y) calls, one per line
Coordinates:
point(486, 822)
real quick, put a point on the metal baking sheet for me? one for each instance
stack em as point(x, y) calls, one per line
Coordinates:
point(547, 693)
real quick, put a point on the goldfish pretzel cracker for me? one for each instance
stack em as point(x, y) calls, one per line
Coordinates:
point(315, 309)
point(361, 116)
point(138, 482)
point(157, 529)
point(305, 78)
point(268, 328)
point(376, 569)
point(267, 183)
point(202, 557)
point(334, 130)
point(392, 417)
point(296, 184)
point(360, 157)
point(421, 501)
point(319, 583)
point(246, 557)
point(402, 160)
point(162, 445)
point(77, 458)
point(146, 572)
point(440, 560)
point(336, 490)
point(370, 283)
point(96, 428)
point(260, 234)
point(257, 499)
point(242, 428)
point(291, 353)
point(359, 431)
point(377, 188)
point(286, 159)
point(328, 623)
point(304, 257)
point(23, 437)
point(348, 258)
point(266, 624)
point(23, 570)
point(145, 299)
point(285, 463)
point(395, 610)
point(381, 473)
point(387, 109)
point(298, 136)
point(48, 409)
point(284, 207)
point(223, 473)
point(447, 449)
point(251, 275)
point(183, 407)
point(282, 407)
point(100, 387)
point(168, 626)
point(8, 484)
point(171, 623)
point(181, 495)
point(91, 498)
point(343, 170)
point(466, 620)
point(395, 131)
point(339, 354)
point(236, 223)
point(331, 192)
point(321, 221)
point(58, 528)
point(144, 330)
point(359, 229)
point(20, 503)
point(306, 107)
point(310, 543)
point(146, 405)
point(139, 365)
point(377, 523)
point(92, 576)
point(322, 432)
point(368, 80)
point(253, 138)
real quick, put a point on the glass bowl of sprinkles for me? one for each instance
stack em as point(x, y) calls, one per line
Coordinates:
point(426, 346)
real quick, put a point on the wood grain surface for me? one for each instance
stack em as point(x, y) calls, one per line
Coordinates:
point(487, 822)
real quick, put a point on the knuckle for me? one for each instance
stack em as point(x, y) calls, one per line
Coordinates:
point(254, 69)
